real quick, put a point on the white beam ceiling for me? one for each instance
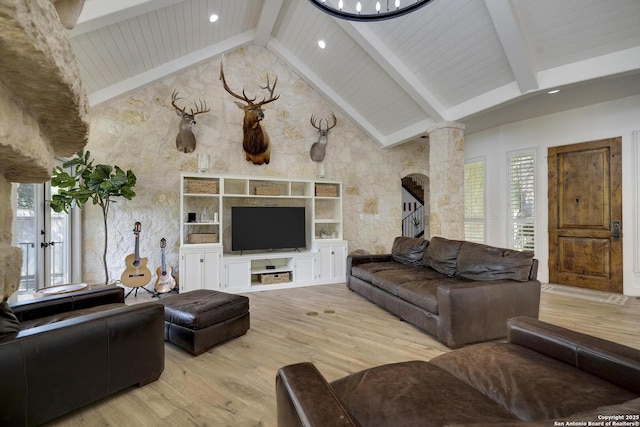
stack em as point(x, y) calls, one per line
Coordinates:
point(396, 69)
point(268, 16)
point(170, 68)
point(514, 43)
point(318, 84)
point(100, 13)
point(518, 36)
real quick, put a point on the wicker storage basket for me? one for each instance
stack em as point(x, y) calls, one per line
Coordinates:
point(200, 186)
point(271, 278)
point(202, 238)
point(326, 190)
point(267, 190)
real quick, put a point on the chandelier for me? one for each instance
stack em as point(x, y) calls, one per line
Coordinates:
point(368, 10)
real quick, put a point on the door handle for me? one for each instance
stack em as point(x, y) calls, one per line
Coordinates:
point(616, 230)
point(47, 244)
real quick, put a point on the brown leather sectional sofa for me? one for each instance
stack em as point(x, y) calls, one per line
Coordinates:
point(543, 375)
point(73, 349)
point(460, 292)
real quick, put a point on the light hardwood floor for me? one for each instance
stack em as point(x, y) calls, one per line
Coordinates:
point(233, 384)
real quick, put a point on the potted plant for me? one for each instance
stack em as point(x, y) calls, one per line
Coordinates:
point(99, 183)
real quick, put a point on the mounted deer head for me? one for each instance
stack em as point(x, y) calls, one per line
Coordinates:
point(186, 140)
point(319, 147)
point(255, 140)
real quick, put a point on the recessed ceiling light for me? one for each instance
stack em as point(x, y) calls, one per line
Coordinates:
point(321, 44)
point(551, 92)
point(213, 17)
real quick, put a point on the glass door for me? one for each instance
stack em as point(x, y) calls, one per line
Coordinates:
point(26, 229)
point(55, 243)
point(44, 237)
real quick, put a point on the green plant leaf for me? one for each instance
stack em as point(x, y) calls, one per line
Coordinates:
point(100, 183)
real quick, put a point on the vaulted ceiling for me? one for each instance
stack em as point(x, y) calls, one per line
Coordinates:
point(479, 62)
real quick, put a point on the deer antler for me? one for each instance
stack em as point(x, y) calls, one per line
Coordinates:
point(270, 89)
point(244, 96)
point(314, 121)
point(335, 122)
point(202, 108)
point(318, 124)
point(174, 98)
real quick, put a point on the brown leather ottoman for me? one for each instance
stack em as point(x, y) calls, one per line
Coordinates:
point(200, 319)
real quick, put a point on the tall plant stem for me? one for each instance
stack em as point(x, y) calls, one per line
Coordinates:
point(105, 212)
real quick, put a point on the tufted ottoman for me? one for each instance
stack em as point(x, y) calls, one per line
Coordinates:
point(200, 319)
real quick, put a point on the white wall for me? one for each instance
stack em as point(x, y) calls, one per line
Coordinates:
point(605, 120)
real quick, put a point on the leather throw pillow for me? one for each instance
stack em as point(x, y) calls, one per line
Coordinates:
point(442, 254)
point(483, 262)
point(408, 250)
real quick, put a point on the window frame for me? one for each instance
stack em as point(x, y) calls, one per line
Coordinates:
point(483, 220)
point(511, 221)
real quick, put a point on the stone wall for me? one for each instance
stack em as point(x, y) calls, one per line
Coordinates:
point(43, 109)
point(138, 132)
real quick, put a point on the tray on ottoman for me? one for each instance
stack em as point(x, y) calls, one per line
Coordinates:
point(198, 320)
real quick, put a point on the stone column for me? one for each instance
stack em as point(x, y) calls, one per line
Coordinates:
point(446, 166)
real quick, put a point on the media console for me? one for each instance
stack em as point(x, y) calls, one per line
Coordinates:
point(206, 261)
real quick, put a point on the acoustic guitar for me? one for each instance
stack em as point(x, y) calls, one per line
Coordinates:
point(165, 281)
point(136, 274)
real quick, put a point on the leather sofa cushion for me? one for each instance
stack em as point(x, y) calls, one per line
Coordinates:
point(483, 262)
point(424, 294)
point(389, 280)
point(408, 250)
point(405, 275)
point(418, 285)
point(8, 321)
point(530, 385)
point(441, 255)
point(366, 271)
point(414, 393)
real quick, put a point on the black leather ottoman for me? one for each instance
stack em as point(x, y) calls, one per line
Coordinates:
point(200, 319)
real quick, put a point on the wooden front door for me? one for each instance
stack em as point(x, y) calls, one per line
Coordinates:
point(585, 215)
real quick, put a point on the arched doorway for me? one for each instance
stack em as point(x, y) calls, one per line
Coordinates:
point(415, 205)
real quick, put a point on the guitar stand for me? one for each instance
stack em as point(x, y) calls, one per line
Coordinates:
point(153, 294)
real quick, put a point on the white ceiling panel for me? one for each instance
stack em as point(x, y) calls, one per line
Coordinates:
point(452, 49)
point(562, 32)
point(451, 60)
point(354, 75)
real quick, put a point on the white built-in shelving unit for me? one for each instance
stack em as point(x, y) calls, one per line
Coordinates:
point(206, 259)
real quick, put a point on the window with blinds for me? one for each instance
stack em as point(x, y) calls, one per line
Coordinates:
point(522, 172)
point(474, 201)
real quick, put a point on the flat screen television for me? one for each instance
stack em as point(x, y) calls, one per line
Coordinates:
point(267, 227)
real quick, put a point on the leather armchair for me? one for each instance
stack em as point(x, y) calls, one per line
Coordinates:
point(75, 349)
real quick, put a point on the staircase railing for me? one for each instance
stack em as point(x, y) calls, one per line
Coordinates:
point(414, 187)
point(413, 224)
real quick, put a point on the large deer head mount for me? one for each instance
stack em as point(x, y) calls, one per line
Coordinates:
point(319, 147)
point(255, 140)
point(186, 140)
